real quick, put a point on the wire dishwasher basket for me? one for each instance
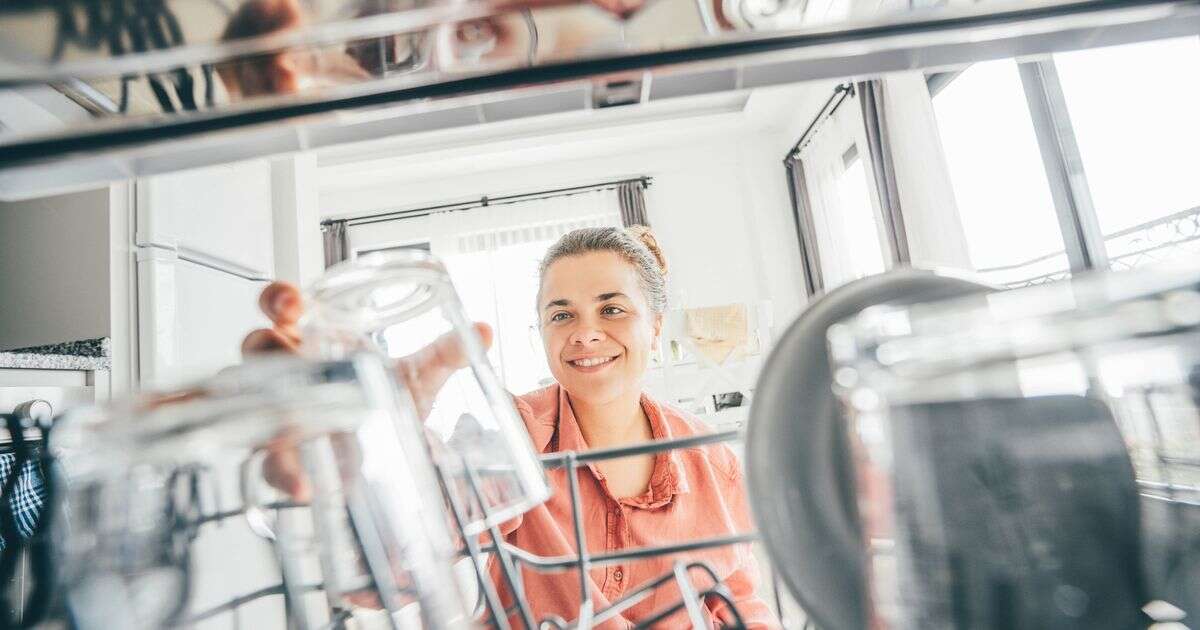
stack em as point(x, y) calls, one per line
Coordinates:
point(194, 502)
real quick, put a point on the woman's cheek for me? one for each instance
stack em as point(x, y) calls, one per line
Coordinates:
point(555, 341)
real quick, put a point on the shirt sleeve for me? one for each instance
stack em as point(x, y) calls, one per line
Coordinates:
point(743, 582)
point(754, 613)
point(528, 417)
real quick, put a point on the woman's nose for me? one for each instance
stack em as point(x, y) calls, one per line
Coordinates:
point(586, 334)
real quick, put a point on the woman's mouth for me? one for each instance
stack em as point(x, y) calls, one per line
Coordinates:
point(590, 364)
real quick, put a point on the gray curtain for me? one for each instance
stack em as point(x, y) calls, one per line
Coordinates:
point(806, 232)
point(337, 247)
point(633, 203)
point(870, 97)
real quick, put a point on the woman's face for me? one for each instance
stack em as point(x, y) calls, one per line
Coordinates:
point(597, 327)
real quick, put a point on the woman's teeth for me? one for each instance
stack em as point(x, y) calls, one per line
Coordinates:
point(592, 362)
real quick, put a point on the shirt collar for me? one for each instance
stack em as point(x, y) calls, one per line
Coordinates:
point(667, 478)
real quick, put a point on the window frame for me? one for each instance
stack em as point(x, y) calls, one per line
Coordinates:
point(1083, 239)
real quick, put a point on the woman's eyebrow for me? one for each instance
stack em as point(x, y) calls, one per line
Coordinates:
point(553, 303)
point(608, 296)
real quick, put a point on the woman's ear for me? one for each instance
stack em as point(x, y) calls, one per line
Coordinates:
point(658, 321)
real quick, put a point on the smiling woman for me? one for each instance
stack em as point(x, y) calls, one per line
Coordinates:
point(601, 301)
point(601, 298)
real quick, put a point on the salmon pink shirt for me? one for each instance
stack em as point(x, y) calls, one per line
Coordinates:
point(693, 493)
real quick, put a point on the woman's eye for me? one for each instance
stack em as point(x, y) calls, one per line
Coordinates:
point(612, 310)
point(559, 316)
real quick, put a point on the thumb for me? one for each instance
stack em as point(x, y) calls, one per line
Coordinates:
point(486, 334)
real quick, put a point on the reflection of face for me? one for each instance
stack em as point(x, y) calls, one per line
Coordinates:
point(597, 327)
point(472, 44)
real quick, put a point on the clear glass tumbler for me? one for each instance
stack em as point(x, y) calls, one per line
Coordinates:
point(403, 306)
point(143, 546)
point(1029, 458)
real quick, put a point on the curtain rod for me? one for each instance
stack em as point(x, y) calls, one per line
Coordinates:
point(482, 202)
point(839, 96)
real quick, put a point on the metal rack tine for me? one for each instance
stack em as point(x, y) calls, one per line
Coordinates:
point(491, 597)
point(507, 565)
point(691, 600)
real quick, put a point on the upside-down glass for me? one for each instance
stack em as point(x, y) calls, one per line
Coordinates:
point(1028, 458)
point(139, 549)
point(397, 305)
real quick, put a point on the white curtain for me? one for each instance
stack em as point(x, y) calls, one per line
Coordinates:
point(847, 250)
point(493, 254)
point(495, 227)
point(931, 220)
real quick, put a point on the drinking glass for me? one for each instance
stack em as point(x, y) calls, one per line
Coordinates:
point(403, 306)
point(140, 548)
point(1028, 458)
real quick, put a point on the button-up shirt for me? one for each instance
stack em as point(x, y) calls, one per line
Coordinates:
point(693, 493)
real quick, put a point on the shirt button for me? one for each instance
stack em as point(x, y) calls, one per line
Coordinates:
point(617, 575)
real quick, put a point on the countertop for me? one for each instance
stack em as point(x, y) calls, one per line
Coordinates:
point(84, 354)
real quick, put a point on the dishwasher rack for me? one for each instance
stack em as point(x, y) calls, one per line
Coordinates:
point(510, 557)
point(697, 581)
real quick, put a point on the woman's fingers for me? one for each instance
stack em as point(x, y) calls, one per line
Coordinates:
point(266, 340)
point(426, 371)
point(283, 304)
point(620, 8)
point(283, 470)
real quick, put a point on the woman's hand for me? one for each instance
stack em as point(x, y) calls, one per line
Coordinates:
point(425, 372)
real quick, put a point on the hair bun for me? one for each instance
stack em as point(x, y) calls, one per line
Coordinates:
point(645, 236)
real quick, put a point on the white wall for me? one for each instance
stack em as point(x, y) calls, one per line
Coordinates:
point(717, 203)
point(54, 253)
point(122, 270)
point(299, 255)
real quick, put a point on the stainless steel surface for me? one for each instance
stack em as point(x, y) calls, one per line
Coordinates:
point(664, 42)
point(205, 37)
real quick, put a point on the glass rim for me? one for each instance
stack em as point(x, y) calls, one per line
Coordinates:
point(932, 339)
point(342, 290)
point(278, 393)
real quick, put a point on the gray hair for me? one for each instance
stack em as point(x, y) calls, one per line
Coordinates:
point(635, 244)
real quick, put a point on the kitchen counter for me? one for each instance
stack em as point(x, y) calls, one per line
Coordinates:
point(85, 354)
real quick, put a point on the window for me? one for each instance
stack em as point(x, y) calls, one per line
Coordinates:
point(1133, 110)
point(1118, 125)
point(840, 212)
point(499, 286)
point(858, 216)
point(492, 254)
point(1000, 186)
